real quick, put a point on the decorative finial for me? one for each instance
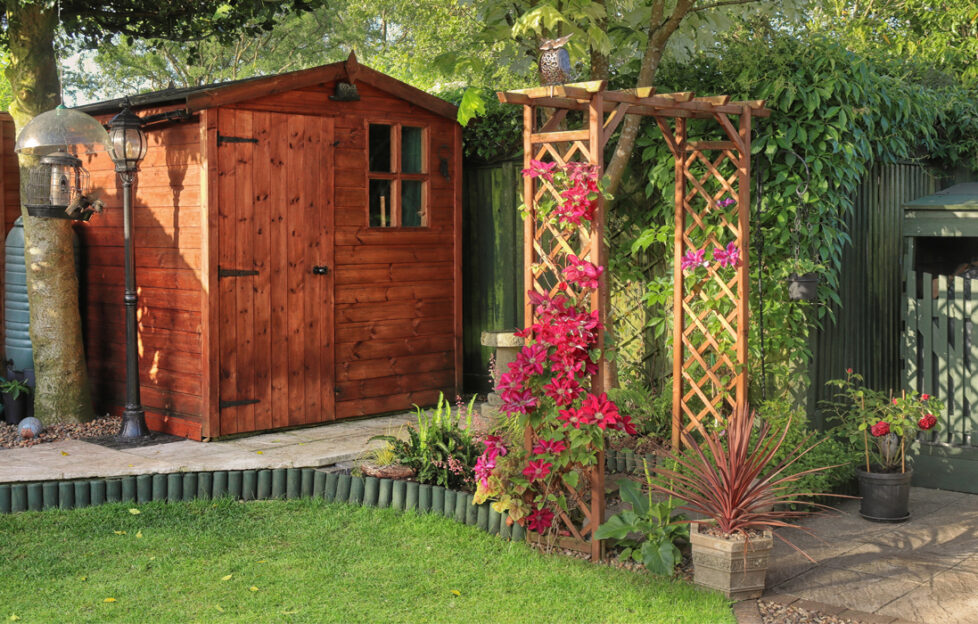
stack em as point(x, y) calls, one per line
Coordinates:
point(555, 66)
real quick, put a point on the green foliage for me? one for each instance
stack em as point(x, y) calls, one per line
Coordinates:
point(651, 411)
point(838, 111)
point(14, 387)
point(655, 521)
point(441, 447)
point(831, 451)
point(397, 37)
point(6, 94)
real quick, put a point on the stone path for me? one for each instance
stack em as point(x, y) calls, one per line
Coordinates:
point(323, 445)
point(923, 570)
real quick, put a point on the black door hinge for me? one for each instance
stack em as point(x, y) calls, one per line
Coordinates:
point(233, 139)
point(223, 404)
point(234, 272)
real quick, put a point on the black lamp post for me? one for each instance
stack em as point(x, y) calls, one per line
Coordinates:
point(128, 148)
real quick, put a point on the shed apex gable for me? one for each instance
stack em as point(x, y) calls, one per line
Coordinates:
point(221, 94)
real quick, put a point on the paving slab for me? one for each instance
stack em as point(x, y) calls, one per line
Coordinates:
point(923, 570)
point(947, 598)
point(322, 445)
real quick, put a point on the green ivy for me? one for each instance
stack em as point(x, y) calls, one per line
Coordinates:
point(841, 114)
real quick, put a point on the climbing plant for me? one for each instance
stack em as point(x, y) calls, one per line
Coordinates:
point(838, 111)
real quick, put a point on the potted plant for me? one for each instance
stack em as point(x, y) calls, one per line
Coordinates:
point(731, 478)
point(802, 275)
point(16, 400)
point(881, 423)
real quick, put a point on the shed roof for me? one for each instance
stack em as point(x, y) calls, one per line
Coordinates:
point(223, 93)
point(957, 197)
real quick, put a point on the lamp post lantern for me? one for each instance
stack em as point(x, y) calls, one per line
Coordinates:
point(128, 143)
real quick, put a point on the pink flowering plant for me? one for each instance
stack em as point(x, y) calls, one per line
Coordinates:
point(881, 421)
point(546, 391)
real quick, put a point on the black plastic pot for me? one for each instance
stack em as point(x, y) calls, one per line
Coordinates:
point(802, 287)
point(885, 495)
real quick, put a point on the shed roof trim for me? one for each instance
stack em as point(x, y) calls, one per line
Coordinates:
point(957, 197)
point(221, 94)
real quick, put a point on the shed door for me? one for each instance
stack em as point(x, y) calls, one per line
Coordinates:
point(275, 239)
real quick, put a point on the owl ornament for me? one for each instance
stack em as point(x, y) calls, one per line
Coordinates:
point(555, 67)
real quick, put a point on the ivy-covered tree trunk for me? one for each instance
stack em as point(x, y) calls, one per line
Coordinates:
point(62, 393)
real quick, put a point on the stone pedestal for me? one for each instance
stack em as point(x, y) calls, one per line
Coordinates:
point(507, 345)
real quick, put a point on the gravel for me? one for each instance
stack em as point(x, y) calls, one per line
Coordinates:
point(99, 428)
point(774, 613)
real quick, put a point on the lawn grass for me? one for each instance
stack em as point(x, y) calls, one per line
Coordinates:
point(308, 561)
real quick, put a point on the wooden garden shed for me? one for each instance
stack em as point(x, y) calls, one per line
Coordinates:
point(298, 253)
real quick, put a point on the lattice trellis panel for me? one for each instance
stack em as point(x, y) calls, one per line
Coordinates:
point(544, 242)
point(710, 301)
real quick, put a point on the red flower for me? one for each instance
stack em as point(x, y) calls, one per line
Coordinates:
point(575, 417)
point(494, 447)
point(541, 169)
point(880, 429)
point(924, 397)
point(536, 470)
point(540, 520)
point(894, 401)
point(849, 371)
point(927, 422)
point(554, 447)
point(600, 410)
point(582, 272)
point(563, 390)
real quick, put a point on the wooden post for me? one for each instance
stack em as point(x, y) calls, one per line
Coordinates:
point(743, 273)
point(599, 302)
point(678, 292)
point(529, 223)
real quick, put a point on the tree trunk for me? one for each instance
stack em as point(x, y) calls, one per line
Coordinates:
point(62, 393)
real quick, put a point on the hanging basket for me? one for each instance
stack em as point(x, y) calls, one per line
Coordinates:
point(802, 287)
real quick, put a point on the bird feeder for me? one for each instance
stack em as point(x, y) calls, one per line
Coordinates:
point(57, 186)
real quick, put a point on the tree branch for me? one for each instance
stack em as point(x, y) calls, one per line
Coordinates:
point(721, 3)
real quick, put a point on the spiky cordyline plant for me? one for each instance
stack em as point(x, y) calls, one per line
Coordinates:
point(734, 482)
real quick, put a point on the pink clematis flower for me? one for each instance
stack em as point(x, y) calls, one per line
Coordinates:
point(553, 447)
point(540, 520)
point(540, 169)
point(694, 259)
point(536, 470)
point(582, 272)
point(728, 257)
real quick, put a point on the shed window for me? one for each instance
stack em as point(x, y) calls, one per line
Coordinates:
point(397, 178)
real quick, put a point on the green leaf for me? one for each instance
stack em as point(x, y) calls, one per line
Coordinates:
point(472, 105)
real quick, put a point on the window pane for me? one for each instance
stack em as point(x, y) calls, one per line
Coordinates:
point(411, 154)
point(380, 203)
point(412, 210)
point(380, 148)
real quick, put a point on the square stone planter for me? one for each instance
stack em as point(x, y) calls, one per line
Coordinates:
point(723, 564)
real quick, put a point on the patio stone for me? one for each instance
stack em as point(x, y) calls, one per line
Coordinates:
point(844, 588)
point(947, 598)
point(322, 445)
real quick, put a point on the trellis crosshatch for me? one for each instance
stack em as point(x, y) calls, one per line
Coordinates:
point(712, 200)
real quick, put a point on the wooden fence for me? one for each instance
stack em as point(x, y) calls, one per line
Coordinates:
point(940, 351)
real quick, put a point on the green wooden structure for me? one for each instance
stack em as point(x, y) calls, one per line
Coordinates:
point(940, 350)
point(866, 334)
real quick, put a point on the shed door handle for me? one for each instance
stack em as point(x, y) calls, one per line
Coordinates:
point(320, 270)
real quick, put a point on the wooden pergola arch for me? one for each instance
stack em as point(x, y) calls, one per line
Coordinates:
point(712, 200)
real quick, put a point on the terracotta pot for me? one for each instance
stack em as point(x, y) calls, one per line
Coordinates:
point(732, 566)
